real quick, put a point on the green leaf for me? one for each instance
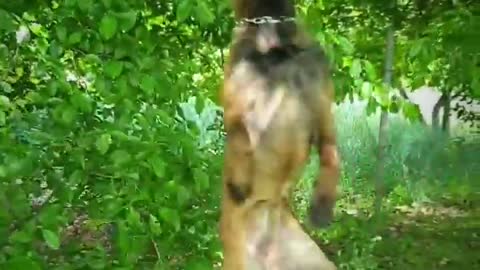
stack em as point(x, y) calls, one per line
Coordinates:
point(108, 26)
point(123, 238)
point(183, 195)
point(82, 102)
point(147, 84)
point(21, 236)
point(61, 32)
point(51, 239)
point(103, 143)
point(371, 106)
point(107, 3)
point(381, 95)
point(3, 171)
point(416, 48)
point(366, 90)
point(203, 13)
point(6, 21)
point(85, 5)
point(4, 54)
point(6, 87)
point(154, 225)
point(345, 44)
point(356, 68)
point(170, 216)
point(114, 68)
point(370, 70)
point(3, 118)
point(55, 49)
point(184, 9)
point(21, 262)
point(120, 157)
point(70, 3)
point(75, 38)
point(68, 114)
point(37, 29)
point(411, 111)
point(76, 177)
point(133, 218)
point(394, 108)
point(198, 263)
point(201, 180)
point(127, 20)
point(158, 166)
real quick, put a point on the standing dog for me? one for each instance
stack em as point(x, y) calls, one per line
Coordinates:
point(277, 98)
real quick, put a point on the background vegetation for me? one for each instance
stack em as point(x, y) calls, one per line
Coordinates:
point(111, 139)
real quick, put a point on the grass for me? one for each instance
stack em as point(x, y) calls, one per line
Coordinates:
point(419, 236)
point(431, 212)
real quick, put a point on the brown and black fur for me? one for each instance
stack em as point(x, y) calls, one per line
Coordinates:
point(277, 98)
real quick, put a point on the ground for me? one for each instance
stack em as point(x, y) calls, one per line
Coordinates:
point(436, 236)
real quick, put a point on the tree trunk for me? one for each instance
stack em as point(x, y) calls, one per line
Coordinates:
point(436, 111)
point(446, 115)
point(382, 132)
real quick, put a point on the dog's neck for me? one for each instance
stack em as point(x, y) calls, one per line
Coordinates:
point(249, 9)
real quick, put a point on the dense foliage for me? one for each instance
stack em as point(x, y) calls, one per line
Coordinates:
point(111, 138)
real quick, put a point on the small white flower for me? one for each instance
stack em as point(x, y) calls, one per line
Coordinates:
point(22, 34)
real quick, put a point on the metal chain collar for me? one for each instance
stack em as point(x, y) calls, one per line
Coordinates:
point(266, 19)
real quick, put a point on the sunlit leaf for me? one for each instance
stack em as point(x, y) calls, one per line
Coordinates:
point(345, 44)
point(356, 68)
point(366, 90)
point(154, 225)
point(411, 111)
point(133, 217)
point(158, 166)
point(103, 143)
point(170, 216)
point(51, 239)
point(370, 70)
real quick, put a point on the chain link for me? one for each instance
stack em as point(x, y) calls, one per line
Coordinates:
point(266, 19)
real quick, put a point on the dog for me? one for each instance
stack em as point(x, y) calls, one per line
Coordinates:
point(277, 96)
